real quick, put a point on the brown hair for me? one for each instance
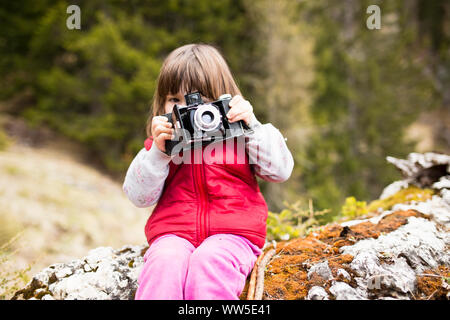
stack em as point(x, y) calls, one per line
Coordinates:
point(191, 67)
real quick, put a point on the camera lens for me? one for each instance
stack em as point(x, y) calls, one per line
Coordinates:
point(207, 117)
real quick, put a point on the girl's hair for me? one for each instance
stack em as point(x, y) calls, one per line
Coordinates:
point(192, 67)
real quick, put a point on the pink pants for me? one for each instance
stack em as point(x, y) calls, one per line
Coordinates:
point(217, 269)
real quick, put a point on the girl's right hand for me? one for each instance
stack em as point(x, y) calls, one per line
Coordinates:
point(161, 130)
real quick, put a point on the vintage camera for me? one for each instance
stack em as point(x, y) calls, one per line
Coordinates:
point(199, 123)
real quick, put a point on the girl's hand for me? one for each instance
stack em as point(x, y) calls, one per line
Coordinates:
point(240, 110)
point(161, 130)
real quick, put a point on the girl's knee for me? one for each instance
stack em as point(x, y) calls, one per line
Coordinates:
point(213, 275)
point(166, 255)
point(168, 252)
point(201, 257)
point(207, 260)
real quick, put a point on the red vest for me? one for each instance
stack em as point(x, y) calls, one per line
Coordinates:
point(199, 200)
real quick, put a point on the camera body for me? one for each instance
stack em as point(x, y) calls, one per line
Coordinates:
point(198, 124)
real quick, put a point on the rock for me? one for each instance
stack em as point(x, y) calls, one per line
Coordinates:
point(393, 188)
point(342, 291)
point(423, 169)
point(104, 274)
point(443, 183)
point(438, 208)
point(344, 274)
point(321, 269)
point(317, 293)
point(418, 241)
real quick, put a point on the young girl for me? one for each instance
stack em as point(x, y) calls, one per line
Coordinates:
point(209, 224)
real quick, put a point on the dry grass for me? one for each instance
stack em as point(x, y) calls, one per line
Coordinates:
point(62, 208)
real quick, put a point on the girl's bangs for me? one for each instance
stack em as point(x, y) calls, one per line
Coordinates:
point(185, 76)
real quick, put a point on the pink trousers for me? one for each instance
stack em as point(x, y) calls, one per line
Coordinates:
point(217, 269)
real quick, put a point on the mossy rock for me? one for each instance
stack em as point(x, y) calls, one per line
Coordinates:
point(412, 193)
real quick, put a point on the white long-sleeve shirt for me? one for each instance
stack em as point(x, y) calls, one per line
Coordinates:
point(266, 148)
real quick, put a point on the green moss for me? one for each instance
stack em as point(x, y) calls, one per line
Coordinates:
point(407, 195)
point(354, 208)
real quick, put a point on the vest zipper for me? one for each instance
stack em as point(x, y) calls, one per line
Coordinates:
point(198, 170)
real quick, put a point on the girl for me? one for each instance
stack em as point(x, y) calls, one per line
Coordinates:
point(209, 224)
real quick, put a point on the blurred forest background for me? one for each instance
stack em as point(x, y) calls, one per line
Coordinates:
point(344, 96)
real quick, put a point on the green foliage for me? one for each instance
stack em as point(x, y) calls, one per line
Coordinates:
point(95, 85)
point(369, 88)
point(353, 208)
point(342, 94)
point(292, 222)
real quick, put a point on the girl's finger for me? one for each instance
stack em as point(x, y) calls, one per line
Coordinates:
point(240, 116)
point(235, 100)
point(165, 136)
point(242, 107)
point(235, 114)
point(161, 118)
point(161, 129)
point(163, 124)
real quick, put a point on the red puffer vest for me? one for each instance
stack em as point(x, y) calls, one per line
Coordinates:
point(199, 200)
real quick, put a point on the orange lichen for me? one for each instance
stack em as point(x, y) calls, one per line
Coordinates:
point(286, 275)
point(432, 284)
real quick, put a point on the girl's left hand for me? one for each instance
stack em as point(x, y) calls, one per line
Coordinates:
point(241, 109)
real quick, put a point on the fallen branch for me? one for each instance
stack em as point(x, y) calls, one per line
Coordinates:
point(260, 275)
point(429, 275)
point(251, 286)
point(432, 294)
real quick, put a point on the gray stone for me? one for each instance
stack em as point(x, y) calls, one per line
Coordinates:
point(443, 183)
point(317, 293)
point(344, 274)
point(342, 291)
point(438, 208)
point(393, 188)
point(422, 169)
point(322, 269)
point(104, 274)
